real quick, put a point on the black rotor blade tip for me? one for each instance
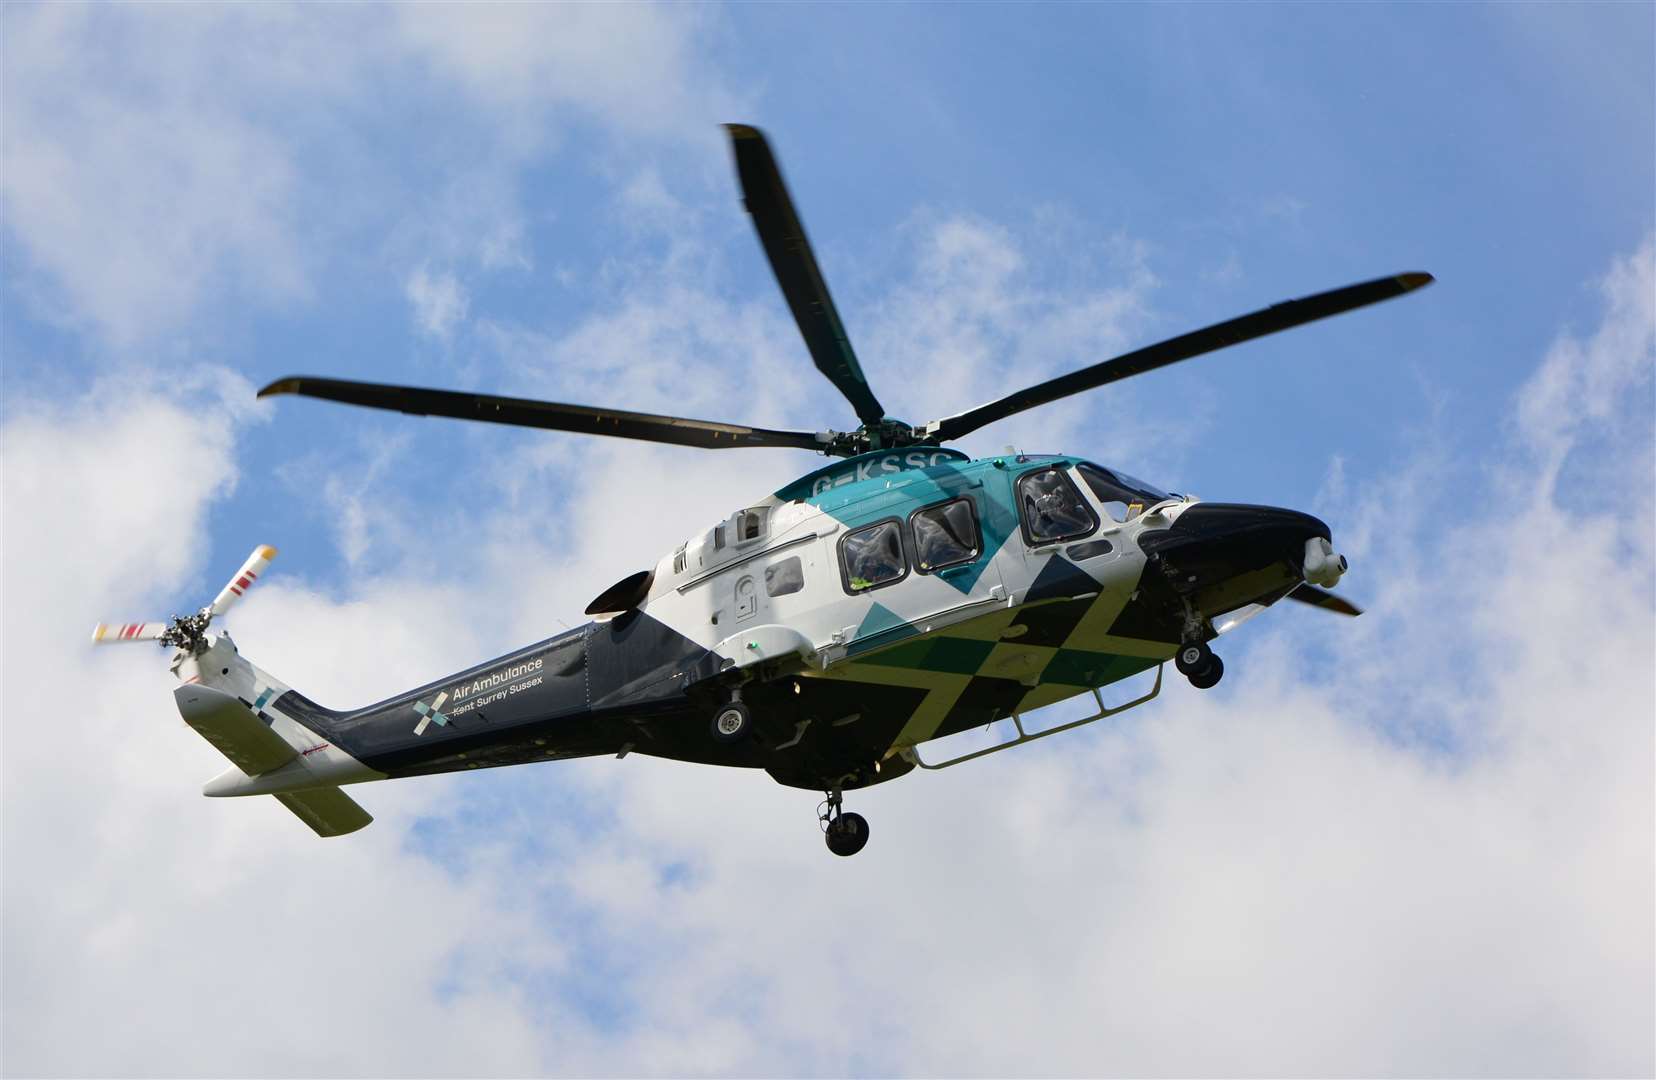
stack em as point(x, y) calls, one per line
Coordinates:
point(287, 385)
point(1417, 279)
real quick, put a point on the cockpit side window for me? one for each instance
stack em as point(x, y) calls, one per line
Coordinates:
point(1122, 496)
point(1052, 509)
point(873, 556)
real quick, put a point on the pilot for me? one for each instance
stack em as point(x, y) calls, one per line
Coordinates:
point(1055, 509)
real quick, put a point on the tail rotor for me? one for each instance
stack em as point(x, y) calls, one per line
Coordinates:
point(189, 632)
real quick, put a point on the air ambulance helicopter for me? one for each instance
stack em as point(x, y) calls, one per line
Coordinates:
point(823, 632)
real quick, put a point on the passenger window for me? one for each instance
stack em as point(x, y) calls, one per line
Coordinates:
point(873, 557)
point(1052, 508)
point(750, 525)
point(945, 535)
point(787, 576)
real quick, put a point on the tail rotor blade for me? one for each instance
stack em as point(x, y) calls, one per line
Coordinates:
point(117, 633)
point(243, 580)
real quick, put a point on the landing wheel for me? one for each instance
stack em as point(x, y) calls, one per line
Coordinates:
point(1192, 657)
point(847, 834)
point(1208, 677)
point(732, 723)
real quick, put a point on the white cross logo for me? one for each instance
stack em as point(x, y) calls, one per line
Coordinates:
point(428, 713)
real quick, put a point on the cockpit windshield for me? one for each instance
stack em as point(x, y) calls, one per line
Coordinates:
point(1123, 496)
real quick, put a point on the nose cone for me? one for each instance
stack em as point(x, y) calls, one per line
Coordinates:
point(1238, 521)
point(1217, 540)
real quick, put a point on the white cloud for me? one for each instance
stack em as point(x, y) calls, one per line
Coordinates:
point(439, 302)
point(137, 194)
point(631, 66)
point(133, 907)
point(987, 309)
point(161, 159)
point(1581, 385)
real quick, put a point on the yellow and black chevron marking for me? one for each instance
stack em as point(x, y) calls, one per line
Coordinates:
point(1003, 662)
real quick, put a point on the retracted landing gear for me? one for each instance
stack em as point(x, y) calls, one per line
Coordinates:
point(1197, 663)
point(846, 833)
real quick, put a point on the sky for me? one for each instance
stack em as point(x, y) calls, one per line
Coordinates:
point(1422, 842)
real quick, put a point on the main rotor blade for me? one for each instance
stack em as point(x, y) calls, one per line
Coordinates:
point(1310, 594)
point(551, 415)
point(783, 237)
point(1281, 316)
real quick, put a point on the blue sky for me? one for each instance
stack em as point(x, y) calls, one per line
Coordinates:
point(539, 201)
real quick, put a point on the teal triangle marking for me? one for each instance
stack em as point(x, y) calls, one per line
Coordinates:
point(997, 515)
point(881, 626)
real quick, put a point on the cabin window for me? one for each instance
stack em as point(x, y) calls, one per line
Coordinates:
point(1052, 508)
point(945, 535)
point(785, 577)
point(872, 557)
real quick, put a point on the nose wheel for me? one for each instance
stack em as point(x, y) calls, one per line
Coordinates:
point(1198, 663)
point(846, 833)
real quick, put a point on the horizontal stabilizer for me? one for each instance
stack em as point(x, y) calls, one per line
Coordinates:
point(233, 729)
point(328, 811)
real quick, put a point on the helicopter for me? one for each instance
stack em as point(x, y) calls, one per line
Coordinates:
point(826, 631)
